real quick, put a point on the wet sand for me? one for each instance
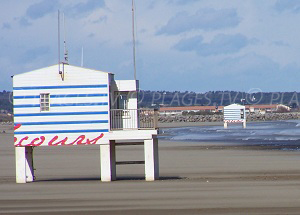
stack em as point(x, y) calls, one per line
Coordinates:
point(187, 124)
point(195, 179)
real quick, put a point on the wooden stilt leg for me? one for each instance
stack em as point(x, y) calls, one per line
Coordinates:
point(29, 163)
point(20, 164)
point(108, 161)
point(151, 159)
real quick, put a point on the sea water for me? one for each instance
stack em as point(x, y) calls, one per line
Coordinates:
point(284, 135)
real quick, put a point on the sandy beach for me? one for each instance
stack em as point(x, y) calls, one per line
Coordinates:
point(195, 179)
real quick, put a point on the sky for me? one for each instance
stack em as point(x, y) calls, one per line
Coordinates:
point(181, 45)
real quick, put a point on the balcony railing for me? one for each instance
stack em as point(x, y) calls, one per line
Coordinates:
point(126, 119)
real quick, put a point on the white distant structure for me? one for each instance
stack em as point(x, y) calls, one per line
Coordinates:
point(80, 106)
point(234, 113)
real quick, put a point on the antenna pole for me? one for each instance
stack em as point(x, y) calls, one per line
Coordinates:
point(58, 40)
point(133, 40)
point(62, 73)
point(66, 58)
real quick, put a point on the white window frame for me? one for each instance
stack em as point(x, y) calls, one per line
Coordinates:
point(45, 102)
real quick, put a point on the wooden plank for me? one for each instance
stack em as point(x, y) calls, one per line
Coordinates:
point(130, 144)
point(129, 162)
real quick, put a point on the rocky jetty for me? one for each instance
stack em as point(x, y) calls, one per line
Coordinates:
point(219, 117)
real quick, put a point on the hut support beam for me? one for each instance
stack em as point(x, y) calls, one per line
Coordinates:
point(108, 161)
point(151, 159)
point(24, 164)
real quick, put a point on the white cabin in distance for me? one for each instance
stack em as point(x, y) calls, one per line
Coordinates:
point(234, 113)
point(80, 107)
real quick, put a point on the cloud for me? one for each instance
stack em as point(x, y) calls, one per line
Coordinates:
point(6, 25)
point(32, 54)
point(88, 6)
point(91, 35)
point(221, 44)
point(190, 44)
point(182, 2)
point(24, 22)
point(205, 19)
point(129, 43)
point(256, 71)
point(101, 19)
point(290, 5)
point(42, 8)
point(280, 43)
point(250, 64)
point(243, 73)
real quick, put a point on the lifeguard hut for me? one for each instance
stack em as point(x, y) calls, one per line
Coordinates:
point(234, 113)
point(80, 106)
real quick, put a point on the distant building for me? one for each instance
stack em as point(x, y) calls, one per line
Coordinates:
point(234, 113)
point(262, 109)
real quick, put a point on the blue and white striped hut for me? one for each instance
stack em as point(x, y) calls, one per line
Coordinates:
point(234, 113)
point(79, 106)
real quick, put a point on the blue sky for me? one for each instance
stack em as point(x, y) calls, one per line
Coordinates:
point(183, 45)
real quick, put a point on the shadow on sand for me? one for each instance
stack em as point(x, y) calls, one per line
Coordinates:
point(119, 178)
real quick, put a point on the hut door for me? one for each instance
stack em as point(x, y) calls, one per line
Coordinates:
point(125, 116)
point(123, 101)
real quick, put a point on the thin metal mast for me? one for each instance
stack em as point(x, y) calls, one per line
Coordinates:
point(58, 41)
point(61, 72)
point(66, 58)
point(133, 40)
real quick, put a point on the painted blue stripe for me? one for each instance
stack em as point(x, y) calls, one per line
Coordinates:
point(62, 96)
point(62, 122)
point(60, 113)
point(26, 97)
point(60, 87)
point(77, 95)
point(79, 104)
point(63, 105)
point(27, 106)
point(62, 131)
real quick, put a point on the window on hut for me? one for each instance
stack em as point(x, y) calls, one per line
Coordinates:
point(45, 101)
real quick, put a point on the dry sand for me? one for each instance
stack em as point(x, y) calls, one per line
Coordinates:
point(195, 179)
